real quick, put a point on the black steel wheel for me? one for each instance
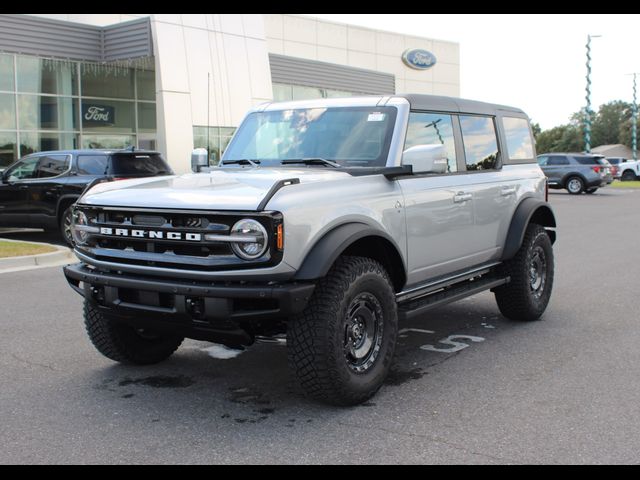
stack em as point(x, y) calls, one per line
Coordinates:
point(531, 271)
point(341, 346)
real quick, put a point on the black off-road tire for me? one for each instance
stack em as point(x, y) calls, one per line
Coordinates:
point(125, 344)
point(520, 299)
point(628, 176)
point(574, 185)
point(355, 295)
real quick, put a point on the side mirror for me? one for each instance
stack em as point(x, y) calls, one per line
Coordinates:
point(199, 160)
point(426, 158)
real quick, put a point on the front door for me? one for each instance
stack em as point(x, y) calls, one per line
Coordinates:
point(14, 193)
point(439, 210)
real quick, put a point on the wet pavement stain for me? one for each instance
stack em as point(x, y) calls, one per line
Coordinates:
point(368, 404)
point(128, 395)
point(400, 377)
point(265, 411)
point(160, 381)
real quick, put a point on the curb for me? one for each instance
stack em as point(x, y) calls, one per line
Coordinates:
point(61, 256)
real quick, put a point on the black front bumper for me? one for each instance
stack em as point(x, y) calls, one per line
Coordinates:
point(200, 301)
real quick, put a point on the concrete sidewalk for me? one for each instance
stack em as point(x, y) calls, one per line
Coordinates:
point(62, 256)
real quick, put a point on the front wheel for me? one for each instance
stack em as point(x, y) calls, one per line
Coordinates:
point(124, 343)
point(341, 346)
point(65, 226)
point(527, 294)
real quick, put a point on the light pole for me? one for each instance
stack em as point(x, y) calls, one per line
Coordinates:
point(634, 119)
point(587, 119)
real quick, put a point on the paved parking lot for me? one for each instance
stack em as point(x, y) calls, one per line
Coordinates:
point(561, 390)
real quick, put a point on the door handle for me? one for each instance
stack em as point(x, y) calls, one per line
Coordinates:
point(461, 197)
point(506, 191)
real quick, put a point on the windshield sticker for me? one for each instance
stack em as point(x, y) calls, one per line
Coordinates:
point(376, 117)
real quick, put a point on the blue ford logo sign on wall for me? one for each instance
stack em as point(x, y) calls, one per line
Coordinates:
point(418, 58)
point(98, 114)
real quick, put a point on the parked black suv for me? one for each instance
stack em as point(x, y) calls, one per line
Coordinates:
point(38, 190)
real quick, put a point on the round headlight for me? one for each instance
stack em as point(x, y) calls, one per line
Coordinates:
point(249, 250)
point(80, 236)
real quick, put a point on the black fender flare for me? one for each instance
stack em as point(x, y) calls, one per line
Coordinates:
point(327, 250)
point(530, 209)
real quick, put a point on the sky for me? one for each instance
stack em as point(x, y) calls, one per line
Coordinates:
point(536, 62)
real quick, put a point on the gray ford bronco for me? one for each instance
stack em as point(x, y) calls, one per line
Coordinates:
point(326, 220)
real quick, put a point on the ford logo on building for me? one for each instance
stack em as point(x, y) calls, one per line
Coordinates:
point(418, 58)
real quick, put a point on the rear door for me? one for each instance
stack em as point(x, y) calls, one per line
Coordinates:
point(556, 169)
point(46, 189)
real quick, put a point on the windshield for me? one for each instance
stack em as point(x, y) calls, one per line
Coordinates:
point(348, 136)
point(139, 164)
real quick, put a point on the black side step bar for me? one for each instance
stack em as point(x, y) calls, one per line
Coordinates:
point(446, 295)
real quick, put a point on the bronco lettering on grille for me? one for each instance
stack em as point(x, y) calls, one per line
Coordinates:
point(151, 234)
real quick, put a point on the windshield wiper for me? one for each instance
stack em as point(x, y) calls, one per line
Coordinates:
point(311, 161)
point(242, 161)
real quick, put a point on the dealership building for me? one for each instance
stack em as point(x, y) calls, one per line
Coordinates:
point(175, 82)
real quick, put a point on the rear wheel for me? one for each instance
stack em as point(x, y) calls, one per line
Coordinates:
point(628, 176)
point(527, 294)
point(341, 346)
point(575, 185)
point(124, 343)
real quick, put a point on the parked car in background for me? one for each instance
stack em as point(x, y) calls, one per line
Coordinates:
point(608, 169)
point(626, 169)
point(38, 190)
point(577, 172)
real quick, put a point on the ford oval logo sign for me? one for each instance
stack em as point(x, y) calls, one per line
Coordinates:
point(418, 58)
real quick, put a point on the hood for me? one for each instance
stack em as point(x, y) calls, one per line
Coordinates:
point(221, 189)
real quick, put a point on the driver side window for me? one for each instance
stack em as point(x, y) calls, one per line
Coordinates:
point(430, 129)
point(23, 170)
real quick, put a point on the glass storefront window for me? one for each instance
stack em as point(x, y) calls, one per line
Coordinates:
point(108, 141)
point(6, 72)
point(219, 138)
point(305, 93)
point(108, 116)
point(146, 85)
point(282, 93)
point(41, 75)
point(7, 111)
point(107, 81)
point(47, 113)
point(8, 149)
point(31, 142)
point(146, 117)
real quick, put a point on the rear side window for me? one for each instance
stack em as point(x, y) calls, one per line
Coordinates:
point(518, 133)
point(480, 143)
point(558, 160)
point(139, 164)
point(587, 160)
point(614, 161)
point(52, 166)
point(93, 164)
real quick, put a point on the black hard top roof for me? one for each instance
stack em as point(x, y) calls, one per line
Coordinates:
point(453, 104)
point(96, 151)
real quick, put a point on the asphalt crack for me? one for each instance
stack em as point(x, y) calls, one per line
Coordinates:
point(33, 364)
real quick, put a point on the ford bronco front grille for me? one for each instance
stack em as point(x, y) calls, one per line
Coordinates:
point(172, 238)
